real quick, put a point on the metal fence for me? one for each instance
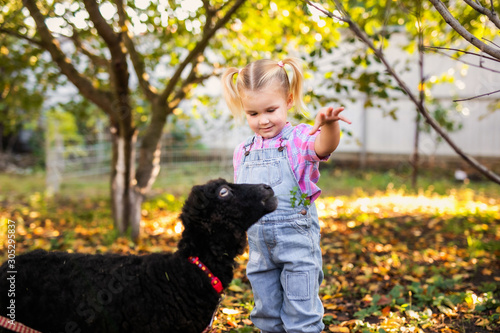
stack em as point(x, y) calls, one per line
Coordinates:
point(65, 162)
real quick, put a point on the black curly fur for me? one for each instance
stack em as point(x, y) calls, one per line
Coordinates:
point(63, 292)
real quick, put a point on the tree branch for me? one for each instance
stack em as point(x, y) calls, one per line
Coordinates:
point(437, 50)
point(111, 39)
point(491, 14)
point(95, 59)
point(192, 79)
point(490, 41)
point(135, 57)
point(119, 75)
point(463, 51)
point(421, 109)
point(20, 36)
point(474, 97)
point(198, 49)
point(208, 9)
point(443, 11)
point(49, 43)
point(326, 12)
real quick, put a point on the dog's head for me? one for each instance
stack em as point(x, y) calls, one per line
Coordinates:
point(218, 200)
point(222, 212)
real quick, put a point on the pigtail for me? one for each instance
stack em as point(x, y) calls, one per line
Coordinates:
point(296, 83)
point(258, 75)
point(230, 92)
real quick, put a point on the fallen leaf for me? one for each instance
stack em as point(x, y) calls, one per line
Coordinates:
point(331, 306)
point(338, 329)
point(247, 322)
point(230, 312)
point(386, 311)
point(482, 322)
point(384, 300)
point(235, 288)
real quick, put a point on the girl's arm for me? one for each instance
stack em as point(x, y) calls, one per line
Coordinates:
point(329, 137)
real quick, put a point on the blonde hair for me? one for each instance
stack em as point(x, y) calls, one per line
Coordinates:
point(259, 75)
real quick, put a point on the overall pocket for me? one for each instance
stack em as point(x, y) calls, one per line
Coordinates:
point(303, 226)
point(268, 172)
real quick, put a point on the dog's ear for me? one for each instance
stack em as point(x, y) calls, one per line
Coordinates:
point(197, 198)
point(195, 207)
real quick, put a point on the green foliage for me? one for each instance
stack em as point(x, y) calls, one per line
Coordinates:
point(163, 34)
point(167, 202)
point(297, 201)
point(354, 68)
point(20, 99)
point(26, 75)
point(63, 123)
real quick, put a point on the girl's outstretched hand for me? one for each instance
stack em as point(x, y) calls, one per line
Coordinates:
point(328, 115)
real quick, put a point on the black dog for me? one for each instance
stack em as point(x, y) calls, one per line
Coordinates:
point(62, 292)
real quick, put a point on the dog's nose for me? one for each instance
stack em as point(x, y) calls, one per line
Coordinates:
point(267, 187)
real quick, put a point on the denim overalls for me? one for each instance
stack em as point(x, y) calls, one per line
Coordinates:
point(285, 263)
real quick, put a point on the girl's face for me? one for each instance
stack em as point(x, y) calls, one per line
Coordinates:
point(266, 111)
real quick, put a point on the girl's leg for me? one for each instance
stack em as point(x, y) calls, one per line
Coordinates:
point(264, 277)
point(302, 274)
point(266, 314)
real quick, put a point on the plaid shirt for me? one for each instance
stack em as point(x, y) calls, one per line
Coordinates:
point(301, 153)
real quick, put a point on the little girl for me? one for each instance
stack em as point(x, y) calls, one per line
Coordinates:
point(285, 264)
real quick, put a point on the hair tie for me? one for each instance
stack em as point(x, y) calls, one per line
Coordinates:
point(281, 64)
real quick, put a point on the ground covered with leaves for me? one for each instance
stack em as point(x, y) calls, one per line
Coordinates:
point(393, 262)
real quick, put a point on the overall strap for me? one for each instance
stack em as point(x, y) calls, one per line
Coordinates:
point(249, 140)
point(248, 145)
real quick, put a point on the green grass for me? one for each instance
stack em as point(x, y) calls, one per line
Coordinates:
point(333, 182)
point(13, 186)
point(337, 181)
point(177, 183)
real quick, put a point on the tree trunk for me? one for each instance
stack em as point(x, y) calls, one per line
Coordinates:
point(148, 164)
point(123, 166)
point(421, 98)
point(415, 156)
point(1, 138)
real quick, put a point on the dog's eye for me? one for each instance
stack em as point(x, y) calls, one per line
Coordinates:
point(224, 192)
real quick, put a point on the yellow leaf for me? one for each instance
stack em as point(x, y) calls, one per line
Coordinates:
point(427, 325)
point(38, 231)
point(235, 288)
point(331, 306)
point(232, 323)
point(339, 329)
point(482, 322)
point(247, 322)
point(230, 312)
point(446, 310)
point(411, 278)
point(333, 315)
point(34, 214)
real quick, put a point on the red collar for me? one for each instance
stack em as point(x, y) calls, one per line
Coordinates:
point(214, 280)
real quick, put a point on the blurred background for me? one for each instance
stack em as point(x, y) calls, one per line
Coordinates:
point(111, 110)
